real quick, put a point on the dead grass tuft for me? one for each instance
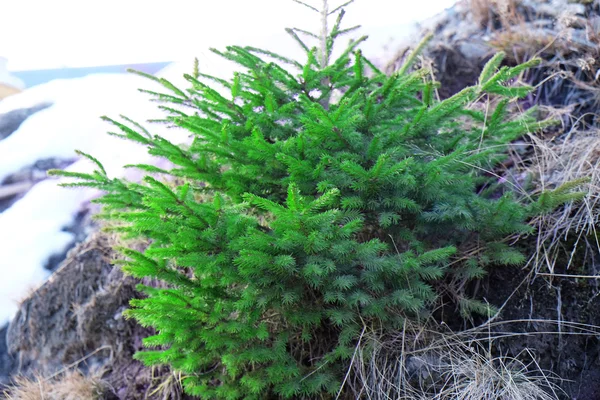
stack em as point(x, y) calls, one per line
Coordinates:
point(521, 43)
point(554, 163)
point(165, 385)
point(420, 364)
point(71, 386)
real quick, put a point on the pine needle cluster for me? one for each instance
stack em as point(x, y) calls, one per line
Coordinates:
point(296, 221)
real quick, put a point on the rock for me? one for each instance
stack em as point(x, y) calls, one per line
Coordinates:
point(18, 183)
point(6, 361)
point(12, 120)
point(8, 193)
point(563, 33)
point(474, 50)
point(38, 171)
point(75, 320)
point(457, 52)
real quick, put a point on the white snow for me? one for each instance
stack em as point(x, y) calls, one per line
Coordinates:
point(31, 230)
point(73, 122)
point(36, 35)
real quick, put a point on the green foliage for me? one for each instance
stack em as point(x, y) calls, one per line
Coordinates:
point(292, 220)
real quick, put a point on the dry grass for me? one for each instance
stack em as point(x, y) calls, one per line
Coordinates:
point(568, 84)
point(483, 12)
point(521, 43)
point(421, 364)
point(560, 32)
point(71, 386)
point(528, 32)
point(165, 385)
point(572, 158)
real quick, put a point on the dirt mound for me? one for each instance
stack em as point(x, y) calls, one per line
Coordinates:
point(75, 322)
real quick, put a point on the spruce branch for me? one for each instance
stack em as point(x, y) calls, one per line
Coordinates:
point(415, 53)
point(306, 5)
point(340, 7)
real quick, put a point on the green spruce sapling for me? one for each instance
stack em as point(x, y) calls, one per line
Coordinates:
point(296, 222)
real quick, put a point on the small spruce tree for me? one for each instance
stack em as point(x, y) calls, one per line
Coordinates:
point(296, 222)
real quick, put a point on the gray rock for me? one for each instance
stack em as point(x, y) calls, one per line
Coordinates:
point(38, 171)
point(6, 361)
point(12, 120)
point(25, 178)
point(474, 50)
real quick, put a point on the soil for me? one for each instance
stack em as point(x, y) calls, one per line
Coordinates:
point(75, 320)
point(569, 352)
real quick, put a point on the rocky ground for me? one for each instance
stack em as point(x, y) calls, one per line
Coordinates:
point(75, 322)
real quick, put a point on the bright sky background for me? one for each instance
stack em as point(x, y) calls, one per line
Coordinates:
point(37, 34)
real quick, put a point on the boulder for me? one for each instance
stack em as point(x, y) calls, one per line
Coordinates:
point(565, 34)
